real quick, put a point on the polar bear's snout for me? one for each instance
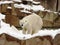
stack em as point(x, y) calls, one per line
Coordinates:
point(21, 25)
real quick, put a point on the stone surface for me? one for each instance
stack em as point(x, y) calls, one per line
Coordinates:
point(58, 5)
point(3, 39)
point(12, 20)
point(48, 4)
point(8, 40)
point(46, 42)
point(56, 40)
point(57, 22)
point(50, 16)
point(3, 8)
point(47, 23)
point(12, 43)
point(34, 41)
point(0, 8)
point(39, 40)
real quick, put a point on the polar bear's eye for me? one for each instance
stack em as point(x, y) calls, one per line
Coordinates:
point(25, 21)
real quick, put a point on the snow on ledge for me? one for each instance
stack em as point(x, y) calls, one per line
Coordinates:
point(29, 0)
point(17, 0)
point(12, 31)
point(22, 6)
point(52, 11)
point(35, 2)
point(5, 2)
point(25, 11)
point(37, 8)
point(9, 7)
point(28, 7)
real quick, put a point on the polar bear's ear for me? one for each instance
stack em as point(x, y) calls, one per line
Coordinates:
point(33, 13)
point(20, 21)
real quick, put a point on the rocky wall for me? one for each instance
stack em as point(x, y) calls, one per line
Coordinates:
point(39, 40)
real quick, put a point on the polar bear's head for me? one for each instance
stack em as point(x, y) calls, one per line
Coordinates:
point(23, 23)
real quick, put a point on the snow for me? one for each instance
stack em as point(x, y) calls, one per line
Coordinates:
point(37, 8)
point(35, 2)
point(17, 0)
point(47, 10)
point(12, 31)
point(29, 0)
point(59, 13)
point(9, 7)
point(28, 7)
point(25, 11)
point(17, 6)
point(33, 7)
point(55, 12)
point(22, 6)
point(51, 32)
point(5, 2)
point(52, 11)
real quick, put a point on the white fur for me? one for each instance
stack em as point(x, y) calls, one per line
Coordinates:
point(31, 24)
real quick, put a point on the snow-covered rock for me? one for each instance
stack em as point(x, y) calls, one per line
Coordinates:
point(51, 11)
point(35, 2)
point(29, 0)
point(25, 11)
point(5, 2)
point(9, 7)
point(17, 0)
point(22, 6)
point(28, 7)
point(37, 8)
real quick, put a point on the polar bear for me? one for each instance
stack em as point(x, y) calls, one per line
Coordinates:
point(31, 24)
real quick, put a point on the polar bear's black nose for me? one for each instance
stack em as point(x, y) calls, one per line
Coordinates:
point(21, 24)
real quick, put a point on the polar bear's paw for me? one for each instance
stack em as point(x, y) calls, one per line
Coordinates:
point(33, 32)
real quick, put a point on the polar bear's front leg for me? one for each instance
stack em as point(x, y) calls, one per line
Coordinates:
point(29, 31)
point(24, 30)
point(27, 28)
